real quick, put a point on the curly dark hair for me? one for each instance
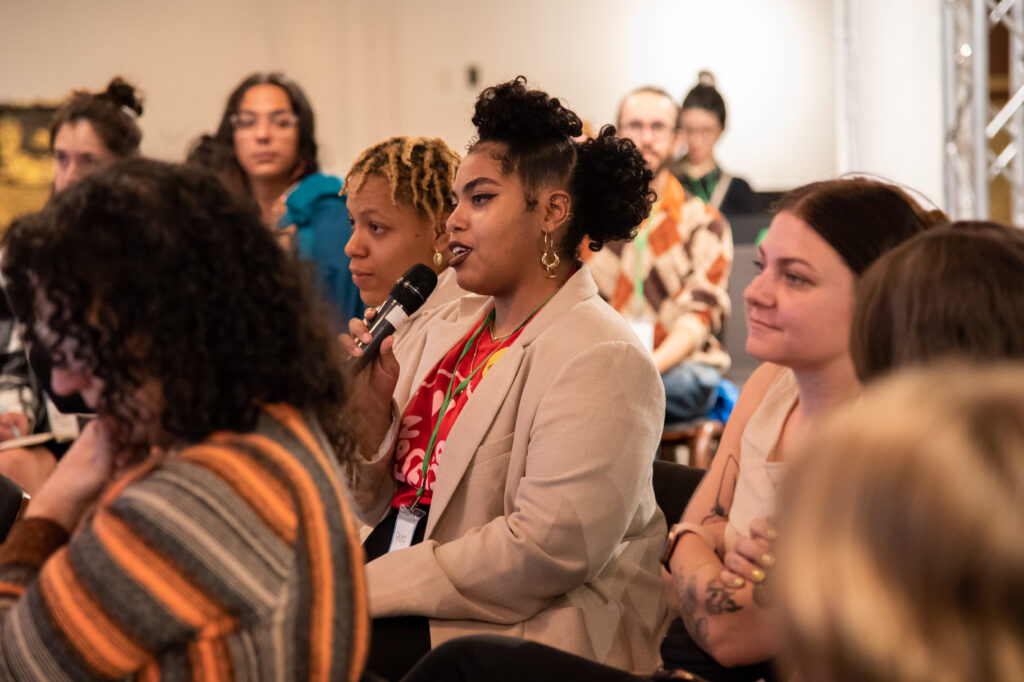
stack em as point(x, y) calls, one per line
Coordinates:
point(111, 113)
point(307, 153)
point(155, 272)
point(606, 176)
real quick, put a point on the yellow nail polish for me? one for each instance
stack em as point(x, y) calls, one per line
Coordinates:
point(771, 534)
point(758, 575)
point(768, 559)
point(737, 582)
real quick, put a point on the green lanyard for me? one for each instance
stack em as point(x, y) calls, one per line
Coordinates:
point(454, 391)
point(640, 243)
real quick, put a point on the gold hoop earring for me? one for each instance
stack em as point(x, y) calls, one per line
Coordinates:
point(438, 259)
point(549, 260)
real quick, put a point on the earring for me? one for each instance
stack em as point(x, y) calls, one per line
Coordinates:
point(549, 260)
point(437, 259)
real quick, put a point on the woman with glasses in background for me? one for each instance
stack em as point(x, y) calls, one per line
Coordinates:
point(268, 127)
point(701, 122)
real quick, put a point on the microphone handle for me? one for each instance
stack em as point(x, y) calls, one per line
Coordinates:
point(388, 318)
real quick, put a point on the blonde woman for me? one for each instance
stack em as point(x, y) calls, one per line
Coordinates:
point(914, 574)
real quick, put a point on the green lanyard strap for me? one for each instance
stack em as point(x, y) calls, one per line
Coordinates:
point(640, 244)
point(454, 391)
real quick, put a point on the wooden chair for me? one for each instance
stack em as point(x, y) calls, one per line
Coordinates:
point(700, 438)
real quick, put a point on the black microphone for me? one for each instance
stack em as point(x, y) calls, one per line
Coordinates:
point(406, 297)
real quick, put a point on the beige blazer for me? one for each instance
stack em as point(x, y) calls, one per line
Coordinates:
point(543, 523)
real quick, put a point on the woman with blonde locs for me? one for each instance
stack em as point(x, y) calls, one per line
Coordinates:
point(399, 199)
point(502, 461)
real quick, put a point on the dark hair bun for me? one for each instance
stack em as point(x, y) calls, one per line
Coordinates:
point(512, 113)
point(612, 188)
point(123, 94)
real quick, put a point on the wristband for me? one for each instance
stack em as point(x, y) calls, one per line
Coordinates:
point(676, 532)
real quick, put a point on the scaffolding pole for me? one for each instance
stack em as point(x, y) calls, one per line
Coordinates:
point(969, 124)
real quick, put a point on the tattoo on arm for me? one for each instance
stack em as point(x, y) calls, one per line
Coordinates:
point(697, 627)
point(730, 474)
point(720, 599)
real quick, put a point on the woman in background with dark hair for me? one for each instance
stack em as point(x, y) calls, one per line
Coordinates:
point(198, 528)
point(502, 459)
point(92, 130)
point(268, 126)
point(701, 122)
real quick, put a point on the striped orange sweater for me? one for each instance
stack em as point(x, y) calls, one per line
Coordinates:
point(232, 559)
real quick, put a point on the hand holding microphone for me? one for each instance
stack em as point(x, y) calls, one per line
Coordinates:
point(406, 297)
point(371, 411)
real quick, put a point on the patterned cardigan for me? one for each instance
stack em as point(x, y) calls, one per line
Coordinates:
point(685, 270)
point(232, 559)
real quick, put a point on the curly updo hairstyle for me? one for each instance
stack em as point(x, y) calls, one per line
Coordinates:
point(111, 113)
point(153, 271)
point(606, 176)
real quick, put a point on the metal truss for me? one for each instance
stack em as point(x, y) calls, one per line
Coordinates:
point(969, 123)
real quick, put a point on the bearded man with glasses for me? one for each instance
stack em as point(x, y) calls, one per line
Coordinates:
point(671, 281)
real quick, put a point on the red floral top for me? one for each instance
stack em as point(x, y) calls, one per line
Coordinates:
point(421, 414)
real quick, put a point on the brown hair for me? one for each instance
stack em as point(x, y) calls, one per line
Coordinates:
point(307, 161)
point(111, 113)
point(419, 170)
point(860, 218)
point(958, 290)
point(900, 524)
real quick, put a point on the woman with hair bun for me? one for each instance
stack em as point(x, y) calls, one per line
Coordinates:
point(533, 514)
point(94, 129)
point(89, 132)
point(702, 122)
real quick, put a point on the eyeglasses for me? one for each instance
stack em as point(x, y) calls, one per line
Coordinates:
point(247, 121)
point(658, 129)
point(700, 132)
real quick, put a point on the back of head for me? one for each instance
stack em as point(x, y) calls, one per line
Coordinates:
point(307, 151)
point(531, 134)
point(705, 96)
point(899, 552)
point(420, 172)
point(156, 273)
point(860, 218)
point(112, 114)
point(954, 291)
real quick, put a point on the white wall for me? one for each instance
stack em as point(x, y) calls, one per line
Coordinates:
point(374, 69)
point(773, 60)
point(889, 103)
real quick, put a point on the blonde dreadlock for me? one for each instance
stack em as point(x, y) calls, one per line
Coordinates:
point(419, 170)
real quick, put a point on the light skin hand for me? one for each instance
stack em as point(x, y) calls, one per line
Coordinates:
point(80, 476)
point(751, 557)
point(375, 385)
point(9, 421)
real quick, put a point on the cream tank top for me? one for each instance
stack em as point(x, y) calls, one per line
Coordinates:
point(759, 478)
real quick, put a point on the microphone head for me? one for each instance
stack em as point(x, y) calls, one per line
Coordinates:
point(413, 288)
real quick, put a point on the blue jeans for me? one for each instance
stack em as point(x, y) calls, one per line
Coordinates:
point(690, 391)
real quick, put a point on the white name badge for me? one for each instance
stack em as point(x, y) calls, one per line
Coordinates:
point(405, 526)
point(644, 329)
